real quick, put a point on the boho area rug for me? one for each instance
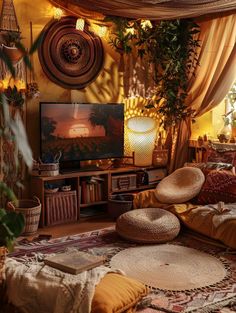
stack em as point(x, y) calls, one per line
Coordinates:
point(210, 267)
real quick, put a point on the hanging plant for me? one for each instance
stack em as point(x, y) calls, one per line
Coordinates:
point(170, 47)
point(14, 96)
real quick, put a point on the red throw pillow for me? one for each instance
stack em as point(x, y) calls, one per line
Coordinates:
point(218, 186)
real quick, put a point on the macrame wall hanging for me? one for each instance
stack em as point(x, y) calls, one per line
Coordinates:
point(12, 168)
point(10, 33)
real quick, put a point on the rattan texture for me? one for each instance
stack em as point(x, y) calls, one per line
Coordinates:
point(180, 186)
point(31, 209)
point(149, 225)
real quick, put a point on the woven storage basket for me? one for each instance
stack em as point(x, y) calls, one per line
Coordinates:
point(61, 207)
point(45, 169)
point(160, 157)
point(31, 209)
point(119, 204)
point(3, 253)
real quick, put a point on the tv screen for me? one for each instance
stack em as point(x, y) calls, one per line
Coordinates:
point(81, 131)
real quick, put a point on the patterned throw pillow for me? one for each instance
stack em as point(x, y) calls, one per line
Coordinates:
point(221, 156)
point(218, 186)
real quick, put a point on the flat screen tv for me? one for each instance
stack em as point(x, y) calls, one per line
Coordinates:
point(81, 131)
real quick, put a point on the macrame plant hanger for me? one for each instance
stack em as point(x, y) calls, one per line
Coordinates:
point(32, 86)
point(11, 171)
point(9, 24)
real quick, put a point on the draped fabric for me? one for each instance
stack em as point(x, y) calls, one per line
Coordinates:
point(212, 81)
point(152, 9)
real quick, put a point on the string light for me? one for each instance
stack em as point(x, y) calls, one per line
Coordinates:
point(130, 31)
point(58, 13)
point(102, 30)
point(80, 24)
point(146, 24)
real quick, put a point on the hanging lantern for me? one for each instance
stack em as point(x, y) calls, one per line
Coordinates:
point(80, 24)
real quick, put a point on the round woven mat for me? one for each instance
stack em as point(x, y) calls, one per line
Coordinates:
point(170, 267)
point(69, 57)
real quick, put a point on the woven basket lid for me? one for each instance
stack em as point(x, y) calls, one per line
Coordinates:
point(180, 186)
point(69, 57)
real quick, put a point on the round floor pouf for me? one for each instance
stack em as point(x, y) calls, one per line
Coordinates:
point(148, 225)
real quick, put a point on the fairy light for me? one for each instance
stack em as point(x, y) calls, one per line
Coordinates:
point(57, 13)
point(130, 31)
point(146, 24)
point(80, 24)
point(102, 30)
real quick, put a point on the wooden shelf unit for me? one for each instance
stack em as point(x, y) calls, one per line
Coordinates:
point(76, 179)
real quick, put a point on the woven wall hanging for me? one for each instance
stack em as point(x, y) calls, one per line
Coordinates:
point(69, 57)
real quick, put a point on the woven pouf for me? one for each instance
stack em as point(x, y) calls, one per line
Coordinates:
point(180, 186)
point(148, 225)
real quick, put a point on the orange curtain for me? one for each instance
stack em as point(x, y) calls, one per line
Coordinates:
point(212, 81)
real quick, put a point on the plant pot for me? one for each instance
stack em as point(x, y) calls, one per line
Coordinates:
point(13, 53)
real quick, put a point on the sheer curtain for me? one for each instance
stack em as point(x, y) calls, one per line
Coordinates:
point(212, 80)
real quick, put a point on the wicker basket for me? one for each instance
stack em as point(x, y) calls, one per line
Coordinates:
point(3, 253)
point(61, 207)
point(160, 157)
point(45, 169)
point(119, 204)
point(31, 209)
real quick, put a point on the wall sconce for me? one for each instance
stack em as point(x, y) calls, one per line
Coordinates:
point(80, 24)
point(141, 134)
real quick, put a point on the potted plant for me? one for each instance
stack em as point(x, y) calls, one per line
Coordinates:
point(12, 130)
point(11, 47)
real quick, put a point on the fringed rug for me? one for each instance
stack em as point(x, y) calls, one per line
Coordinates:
point(218, 297)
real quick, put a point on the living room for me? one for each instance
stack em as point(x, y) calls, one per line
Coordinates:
point(104, 73)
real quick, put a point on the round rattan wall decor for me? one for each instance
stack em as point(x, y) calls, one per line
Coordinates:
point(69, 57)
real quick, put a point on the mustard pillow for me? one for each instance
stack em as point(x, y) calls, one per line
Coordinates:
point(117, 293)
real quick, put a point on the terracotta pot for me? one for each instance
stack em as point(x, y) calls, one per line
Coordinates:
point(13, 53)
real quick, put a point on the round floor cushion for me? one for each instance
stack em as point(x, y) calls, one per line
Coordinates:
point(149, 225)
point(180, 186)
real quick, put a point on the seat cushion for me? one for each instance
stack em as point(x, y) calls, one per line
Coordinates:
point(116, 293)
point(148, 225)
point(207, 221)
point(180, 186)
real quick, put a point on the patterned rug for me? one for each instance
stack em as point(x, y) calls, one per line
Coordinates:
point(217, 298)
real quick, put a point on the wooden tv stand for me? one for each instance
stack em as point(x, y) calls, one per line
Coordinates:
point(90, 191)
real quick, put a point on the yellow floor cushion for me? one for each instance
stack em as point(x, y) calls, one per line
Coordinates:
point(207, 221)
point(117, 293)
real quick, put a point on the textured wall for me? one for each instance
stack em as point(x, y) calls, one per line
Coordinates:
point(106, 88)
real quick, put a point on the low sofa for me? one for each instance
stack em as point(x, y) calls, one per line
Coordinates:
point(209, 210)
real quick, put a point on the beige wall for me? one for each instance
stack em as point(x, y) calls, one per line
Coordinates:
point(106, 88)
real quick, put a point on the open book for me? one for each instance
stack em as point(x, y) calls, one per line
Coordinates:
point(74, 262)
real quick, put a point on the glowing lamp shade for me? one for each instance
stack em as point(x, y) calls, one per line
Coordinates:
point(141, 133)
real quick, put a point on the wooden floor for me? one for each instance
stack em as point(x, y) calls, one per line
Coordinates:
point(74, 228)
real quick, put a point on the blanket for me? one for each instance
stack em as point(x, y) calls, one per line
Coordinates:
point(35, 287)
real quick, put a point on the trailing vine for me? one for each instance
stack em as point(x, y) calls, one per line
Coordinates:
point(171, 49)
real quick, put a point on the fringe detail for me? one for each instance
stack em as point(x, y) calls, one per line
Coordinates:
point(19, 70)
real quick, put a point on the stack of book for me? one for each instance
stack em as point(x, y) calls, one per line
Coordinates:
point(91, 189)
